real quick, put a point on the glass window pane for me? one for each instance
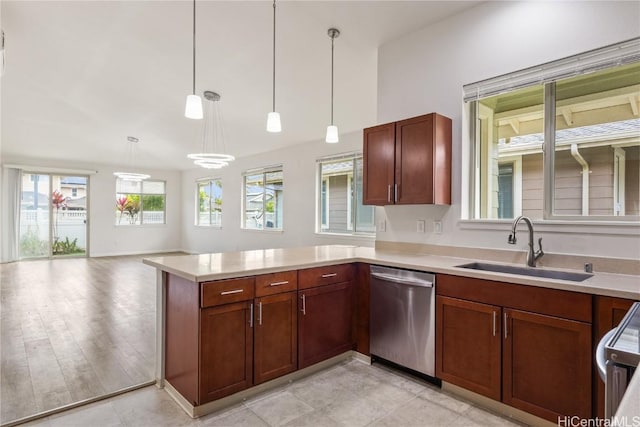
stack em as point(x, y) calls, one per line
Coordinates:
point(274, 200)
point(127, 209)
point(123, 186)
point(510, 125)
point(253, 202)
point(365, 215)
point(153, 187)
point(597, 149)
point(336, 176)
point(34, 216)
point(204, 204)
point(216, 203)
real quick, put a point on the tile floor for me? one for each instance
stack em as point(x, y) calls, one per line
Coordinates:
point(72, 329)
point(350, 394)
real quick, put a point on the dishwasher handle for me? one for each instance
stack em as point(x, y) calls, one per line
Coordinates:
point(414, 281)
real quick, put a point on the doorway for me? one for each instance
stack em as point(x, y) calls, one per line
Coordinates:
point(53, 216)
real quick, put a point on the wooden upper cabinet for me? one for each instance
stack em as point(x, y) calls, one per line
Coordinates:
point(408, 162)
point(379, 164)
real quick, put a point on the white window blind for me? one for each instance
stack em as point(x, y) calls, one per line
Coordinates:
point(588, 62)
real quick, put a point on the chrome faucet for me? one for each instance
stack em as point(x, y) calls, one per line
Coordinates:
point(532, 255)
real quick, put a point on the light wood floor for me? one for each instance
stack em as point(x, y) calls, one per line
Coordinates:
point(72, 329)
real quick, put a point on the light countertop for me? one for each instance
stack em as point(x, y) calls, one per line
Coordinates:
point(206, 267)
point(215, 266)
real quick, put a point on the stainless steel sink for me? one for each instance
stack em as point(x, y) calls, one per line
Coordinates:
point(527, 271)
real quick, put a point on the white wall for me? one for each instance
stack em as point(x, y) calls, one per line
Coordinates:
point(425, 71)
point(105, 238)
point(299, 164)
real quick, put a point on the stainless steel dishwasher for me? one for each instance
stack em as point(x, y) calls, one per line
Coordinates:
point(402, 322)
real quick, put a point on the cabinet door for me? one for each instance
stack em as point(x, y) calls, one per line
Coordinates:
point(378, 165)
point(226, 350)
point(609, 312)
point(276, 336)
point(414, 160)
point(546, 365)
point(324, 322)
point(468, 343)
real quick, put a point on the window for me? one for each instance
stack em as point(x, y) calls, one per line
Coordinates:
point(140, 202)
point(209, 200)
point(263, 199)
point(559, 141)
point(340, 197)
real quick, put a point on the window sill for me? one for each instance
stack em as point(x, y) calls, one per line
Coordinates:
point(264, 230)
point(346, 235)
point(558, 226)
point(213, 227)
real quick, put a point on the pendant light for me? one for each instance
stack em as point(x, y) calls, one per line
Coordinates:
point(193, 107)
point(212, 151)
point(131, 160)
point(273, 118)
point(332, 130)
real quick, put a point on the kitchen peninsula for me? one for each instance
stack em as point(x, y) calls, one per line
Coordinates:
point(238, 288)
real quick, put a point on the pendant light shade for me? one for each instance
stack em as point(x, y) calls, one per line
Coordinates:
point(273, 118)
point(332, 134)
point(193, 107)
point(332, 130)
point(273, 122)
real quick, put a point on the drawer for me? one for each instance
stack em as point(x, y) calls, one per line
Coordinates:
point(227, 291)
point(312, 277)
point(276, 283)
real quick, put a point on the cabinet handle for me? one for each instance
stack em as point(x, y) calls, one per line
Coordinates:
point(494, 322)
point(251, 315)
point(279, 283)
point(395, 193)
point(389, 193)
point(325, 276)
point(506, 328)
point(235, 291)
point(304, 305)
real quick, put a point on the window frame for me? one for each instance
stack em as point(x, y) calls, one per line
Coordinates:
point(352, 205)
point(210, 181)
point(264, 171)
point(547, 75)
point(141, 213)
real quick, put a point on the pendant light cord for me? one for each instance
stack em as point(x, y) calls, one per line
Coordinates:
point(194, 47)
point(332, 40)
point(274, 56)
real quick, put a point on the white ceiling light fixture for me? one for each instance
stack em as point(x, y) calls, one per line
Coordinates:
point(131, 160)
point(273, 118)
point(193, 107)
point(212, 149)
point(332, 130)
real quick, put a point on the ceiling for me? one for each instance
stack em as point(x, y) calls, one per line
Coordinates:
point(81, 76)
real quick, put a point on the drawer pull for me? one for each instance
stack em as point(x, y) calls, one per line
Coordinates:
point(235, 291)
point(324, 276)
point(284, 282)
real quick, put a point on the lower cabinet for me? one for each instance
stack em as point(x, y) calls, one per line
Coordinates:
point(275, 336)
point(546, 365)
point(527, 347)
point(226, 350)
point(325, 322)
point(468, 345)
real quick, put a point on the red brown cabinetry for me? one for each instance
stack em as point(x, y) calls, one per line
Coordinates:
point(531, 345)
point(408, 162)
point(325, 316)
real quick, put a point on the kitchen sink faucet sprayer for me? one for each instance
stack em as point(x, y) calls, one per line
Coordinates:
point(532, 254)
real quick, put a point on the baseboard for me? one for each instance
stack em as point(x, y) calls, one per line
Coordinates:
point(134, 253)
